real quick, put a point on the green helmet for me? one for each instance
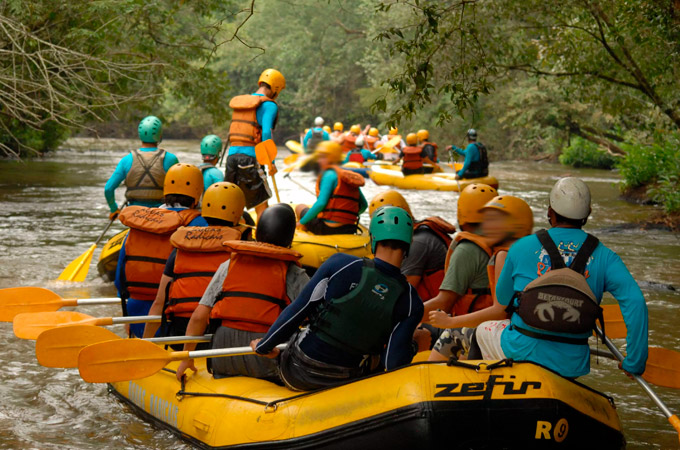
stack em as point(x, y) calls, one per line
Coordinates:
point(211, 145)
point(390, 223)
point(151, 130)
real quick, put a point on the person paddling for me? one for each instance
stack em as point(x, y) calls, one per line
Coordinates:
point(424, 265)
point(253, 120)
point(350, 138)
point(372, 138)
point(362, 313)
point(553, 282)
point(339, 198)
point(413, 157)
point(147, 246)
point(211, 145)
point(337, 135)
point(197, 253)
point(430, 149)
point(247, 293)
point(476, 162)
point(504, 220)
point(143, 170)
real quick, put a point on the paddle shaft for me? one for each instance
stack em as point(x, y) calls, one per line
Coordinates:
point(177, 339)
point(216, 352)
point(90, 301)
point(302, 186)
point(130, 319)
point(672, 418)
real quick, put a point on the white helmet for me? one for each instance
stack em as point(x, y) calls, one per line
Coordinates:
point(318, 121)
point(359, 141)
point(570, 198)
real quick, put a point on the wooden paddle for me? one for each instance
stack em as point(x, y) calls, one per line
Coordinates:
point(59, 347)
point(79, 267)
point(30, 325)
point(672, 376)
point(132, 359)
point(20, 300)
point(266, 152)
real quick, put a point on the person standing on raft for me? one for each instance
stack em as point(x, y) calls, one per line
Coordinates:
point(244, 306)
point(564, 261)
point(197, 253)
point(339, 198)
point(252, 121)
point(476, 164)
point(211, 145)
point(362, 314)
point(147, 246)
point(143, 170)
point(315, 136)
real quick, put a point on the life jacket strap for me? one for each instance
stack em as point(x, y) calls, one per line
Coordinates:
point(550, 337)
point(277, 301)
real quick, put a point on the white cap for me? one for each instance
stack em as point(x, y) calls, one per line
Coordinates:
point(318, 121)
point(570, 198)
point(359, 141)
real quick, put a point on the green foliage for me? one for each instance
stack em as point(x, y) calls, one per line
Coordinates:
point(656, 165)
point(582, 153)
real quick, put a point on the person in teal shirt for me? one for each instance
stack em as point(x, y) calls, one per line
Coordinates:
point(339, 198)
point(527, 259)
point(315, 136)
point(476, 162)
point(142, 170)
point(359, 153)
point(210, 153)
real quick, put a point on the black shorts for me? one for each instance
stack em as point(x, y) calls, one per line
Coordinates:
point(245, 172)
point(319, 226)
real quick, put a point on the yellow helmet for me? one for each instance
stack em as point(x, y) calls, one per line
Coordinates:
point(338, 126)
point(423, 135)
point(330, 148)
point(373, 132)
point(471, 200)
point(393, 131)
point(185, 179)
point(519, 220)
point(274, 79)
point(389, 198)
point(411, 139)
point(356, 129)
point(326, 128)
point(224, 201)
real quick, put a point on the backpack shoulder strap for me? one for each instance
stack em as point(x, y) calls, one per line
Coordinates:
point(587, 249)
point(556, 261)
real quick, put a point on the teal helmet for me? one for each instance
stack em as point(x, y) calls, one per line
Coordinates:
point(151, 130)
point(211, 146)
point(390, 223)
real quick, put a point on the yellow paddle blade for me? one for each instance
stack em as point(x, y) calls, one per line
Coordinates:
point(123, 360)
point(615, 328)
point(290, 159)
point(77, 270)
point(59, 347)
point(300, 162)
point(19, 300)
point(265, 152)
point(294, 146)
point(30, 325)
point(663, 367)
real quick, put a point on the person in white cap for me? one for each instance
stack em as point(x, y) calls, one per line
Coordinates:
point(315, 135)
point(554, 281)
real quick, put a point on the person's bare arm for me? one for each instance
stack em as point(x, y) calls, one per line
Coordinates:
point(196, 327)
point(157, 306)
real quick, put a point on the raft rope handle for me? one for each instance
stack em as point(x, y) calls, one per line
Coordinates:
point(336, 247)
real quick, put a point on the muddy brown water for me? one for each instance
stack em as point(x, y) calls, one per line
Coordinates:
point(52, 210)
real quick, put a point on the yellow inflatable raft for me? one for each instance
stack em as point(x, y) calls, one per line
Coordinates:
point(421, 406)
point(315, 249)
point(390, 175)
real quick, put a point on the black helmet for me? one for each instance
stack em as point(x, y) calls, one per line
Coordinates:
point(277, 225)
point(472, 134)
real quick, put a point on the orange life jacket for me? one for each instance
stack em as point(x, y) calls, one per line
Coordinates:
point(199, 254)
point(349, 142)
point(343, 206)
point(436, 149)
point(244, 129)
point(370, 142)
point(254, 291)
point(474, 299)
point(428, 287)
point(148, 246)
point(413, 157)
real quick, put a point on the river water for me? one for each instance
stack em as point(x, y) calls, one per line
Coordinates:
point(53, 209)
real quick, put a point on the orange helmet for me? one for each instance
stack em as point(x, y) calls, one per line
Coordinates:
point(185, 179)
point(471, 200)
point(519, 221)
point(356, 129)
point(411, 139)
point(331, 149)
point(337, 126)
point(389, 198)
point(224, 201)
point(393, 131)
point(423, 135)
point(373, 132)
point(274, 79)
